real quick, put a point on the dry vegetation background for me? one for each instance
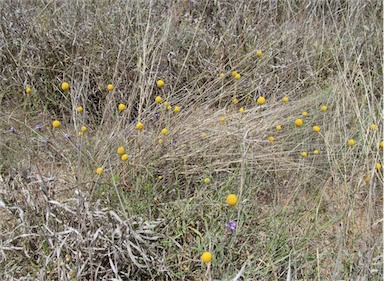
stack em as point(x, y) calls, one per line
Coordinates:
point(151, 218)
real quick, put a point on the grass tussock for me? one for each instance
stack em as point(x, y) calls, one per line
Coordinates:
point(300, 214)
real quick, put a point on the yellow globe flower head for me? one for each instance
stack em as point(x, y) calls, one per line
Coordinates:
point(99, 171)
point(259, 53)
point(166, 103)
point(207, 180)
point(160, 83)
point(232, 199)
point(80, 109)
point(164, 131)
point(260, 100)
point(234, 73)
point(237, 76)
point(285, 99)
point(222, 119)
point(122, 107)
point(206, 257)
point(304, 154)
point(177, 109)
point(158, 99)
point(373, 127)
point(381, 145)
point(271, 139)
point(378, 166)
point(323, 108)
point(204, 135)
point(139, 126)
point(80, 133)
point(315, 152)
point(110, 87)
point(65, 86)
point(160, 141)
point(56, 124)
point(28, 90)
point(235, 101)
point(351, 142)
point(222, 75)
point(84, 129)
point(278, 127)
point(304, 113)
point(366, 179)
point(169, 108)
point(299, 122)
point(241, 110)
point(124, 157)
point(120, 150)
point(316, 129)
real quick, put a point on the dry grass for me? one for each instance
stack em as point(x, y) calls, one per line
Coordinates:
point(150, 218)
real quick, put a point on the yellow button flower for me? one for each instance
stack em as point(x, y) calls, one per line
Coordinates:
point(232, 199)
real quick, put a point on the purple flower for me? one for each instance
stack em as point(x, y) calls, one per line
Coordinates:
point(38, 127)
point(119, 117)
point(157, 115)
point(77, 97)
point(12, 130)
point(40, 114)
point(46, 140)
point(67, 136)
point(231, 225)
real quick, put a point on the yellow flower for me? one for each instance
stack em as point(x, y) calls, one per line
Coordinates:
point(160, 83)
point(120, 150)
point(304, 113)
point(261, 100)
point(124, 157)
point(80, 109)
point(206, 257)
point(323, 108)
point(241, 110)
point(271, 139)
point(299, 122)
point(234, 73)
point(158, 99)
point(56, 124)
point(304, 154)
point(207, 180)
point(139, 126)
point(367, 179)
point(204, 135)
point(166, 103)
point(373, 127)
point(169, 108)
point(237, 76)
point(278, 127)
point(28, 90)
point(285, 99)
point(164, 131)
point(316, 129)
point(222, 119)
point(381, 145)
point(259, 53)
point(315, 152)
point(378, 166)
point(110, 87)
point(80, 133)
point(235, 101)
point(83, 129)
point(65, 86)
point(177, 109)
point(232, 199)
point(161, 141)
point(99, 171)
point(122, 107)
point(351, 142)
point(222, 75)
